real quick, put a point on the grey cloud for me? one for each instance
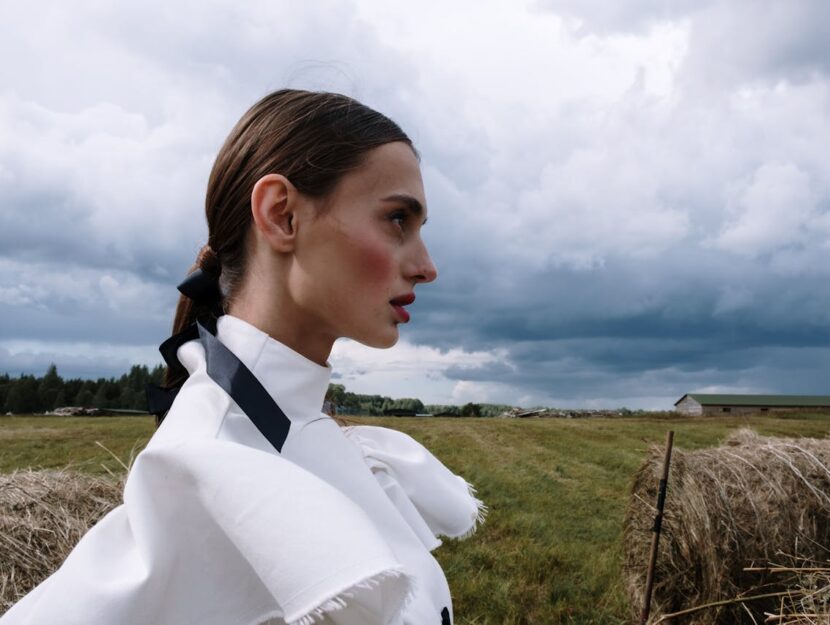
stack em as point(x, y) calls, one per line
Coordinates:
point(65, 302)
point(100, 363)
point(605, 17)
point(745, 42)
point(738, 39)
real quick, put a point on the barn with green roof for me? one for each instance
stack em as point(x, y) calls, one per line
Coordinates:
point(706, 404)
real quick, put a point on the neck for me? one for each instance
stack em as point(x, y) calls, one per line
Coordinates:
point(288, 325)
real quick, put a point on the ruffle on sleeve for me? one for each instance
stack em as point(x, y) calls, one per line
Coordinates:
point(213, 532)
point(433, 500)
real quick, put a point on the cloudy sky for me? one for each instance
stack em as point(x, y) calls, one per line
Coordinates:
point(628, 201)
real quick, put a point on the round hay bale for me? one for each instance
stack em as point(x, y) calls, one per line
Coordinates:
point(753, 501)
point(43, 515)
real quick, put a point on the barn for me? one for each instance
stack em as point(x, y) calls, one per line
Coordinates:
point(705, 404)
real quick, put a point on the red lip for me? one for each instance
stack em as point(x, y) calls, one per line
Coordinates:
point(403, 300)
point(398, 304)
point(401, 312)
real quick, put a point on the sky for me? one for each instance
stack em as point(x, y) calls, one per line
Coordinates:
point(627, 201)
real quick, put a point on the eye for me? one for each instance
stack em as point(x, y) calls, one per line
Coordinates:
point(399, 217)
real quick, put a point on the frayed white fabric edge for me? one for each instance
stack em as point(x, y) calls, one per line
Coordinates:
point(340, 600)
point(481, 508)
point(481, 513)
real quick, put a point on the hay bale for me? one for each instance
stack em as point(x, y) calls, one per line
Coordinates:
point(43, 515)
point(752, 502)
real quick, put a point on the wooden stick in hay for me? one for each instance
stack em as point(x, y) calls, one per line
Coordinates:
point(748, 503)
point(658, 524)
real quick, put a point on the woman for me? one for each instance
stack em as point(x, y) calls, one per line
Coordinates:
point(248, 504)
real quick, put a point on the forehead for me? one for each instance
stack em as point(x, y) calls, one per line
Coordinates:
point(390, 169)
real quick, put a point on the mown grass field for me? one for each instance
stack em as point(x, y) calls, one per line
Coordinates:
point(550, 551)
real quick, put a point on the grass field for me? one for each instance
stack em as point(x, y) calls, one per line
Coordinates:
point(550, 550)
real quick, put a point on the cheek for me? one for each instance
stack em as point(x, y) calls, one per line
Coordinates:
point(375, 263)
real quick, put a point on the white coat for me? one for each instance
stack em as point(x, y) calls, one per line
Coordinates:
point(219, 528)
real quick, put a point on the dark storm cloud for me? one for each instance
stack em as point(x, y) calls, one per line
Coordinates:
point(587, 370)
point(638, 330)
point(684, 295)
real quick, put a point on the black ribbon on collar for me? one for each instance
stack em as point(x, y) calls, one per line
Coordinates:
point(232, 376)
point(245, 389)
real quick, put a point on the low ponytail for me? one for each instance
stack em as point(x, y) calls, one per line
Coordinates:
point(188, 310)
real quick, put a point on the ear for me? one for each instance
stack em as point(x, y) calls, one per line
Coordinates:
point(273, 208)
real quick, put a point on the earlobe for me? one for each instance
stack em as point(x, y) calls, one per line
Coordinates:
point(273, 203)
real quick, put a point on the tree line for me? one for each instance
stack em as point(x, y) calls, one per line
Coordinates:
point(28, 394)
point(357, 404)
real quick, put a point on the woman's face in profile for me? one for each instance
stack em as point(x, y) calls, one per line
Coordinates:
point(365, 248)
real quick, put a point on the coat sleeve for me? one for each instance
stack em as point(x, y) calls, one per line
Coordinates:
point(213, 533)
point(435, 501)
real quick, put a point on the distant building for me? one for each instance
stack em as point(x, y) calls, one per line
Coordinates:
point(706, 404)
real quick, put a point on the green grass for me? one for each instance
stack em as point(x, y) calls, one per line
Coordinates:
point(550, 550)
point(55, 442)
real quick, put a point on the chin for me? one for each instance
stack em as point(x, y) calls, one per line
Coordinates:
point(379, 341)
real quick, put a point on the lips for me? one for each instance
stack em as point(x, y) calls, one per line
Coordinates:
point(403, 300)
point(398, 304)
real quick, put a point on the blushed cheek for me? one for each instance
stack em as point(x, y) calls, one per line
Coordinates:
point(375, 263)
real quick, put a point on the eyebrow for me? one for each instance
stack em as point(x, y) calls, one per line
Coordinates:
point(411, 203)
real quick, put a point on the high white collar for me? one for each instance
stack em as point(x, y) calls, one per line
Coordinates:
point(297, 384)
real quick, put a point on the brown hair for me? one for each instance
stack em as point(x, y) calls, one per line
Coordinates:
point(311, 138)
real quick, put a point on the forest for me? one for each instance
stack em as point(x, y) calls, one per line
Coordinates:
point(29, 394)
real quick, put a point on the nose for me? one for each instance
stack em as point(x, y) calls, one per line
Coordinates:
point(423, 268)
